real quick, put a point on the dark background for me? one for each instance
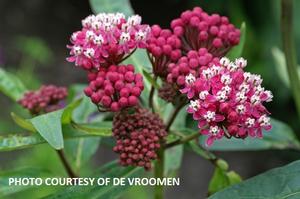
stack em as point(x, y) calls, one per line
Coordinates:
point(33, 39)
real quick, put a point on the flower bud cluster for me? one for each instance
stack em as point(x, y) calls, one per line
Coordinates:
point(106, 39)
point(189, 64)
point(226, 101)
point(199, 30)
point(139, 135)
point(47, 99)
point(163, 48)
point(115, 88)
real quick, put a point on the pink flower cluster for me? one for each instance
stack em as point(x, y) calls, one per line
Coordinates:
point(115, 87)
point(139, 134)
point(226, 101)
point(46, 99)
point(163, 48)
point(107, 39)
point(190, 64)
point(198, 30)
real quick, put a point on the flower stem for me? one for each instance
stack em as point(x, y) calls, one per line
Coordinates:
point(289, 49)
point(183, 140)
point(173, 116)
point(159, 173)
point(67, 166)
point(151, 95)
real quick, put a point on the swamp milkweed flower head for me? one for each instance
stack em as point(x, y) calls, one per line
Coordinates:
point(115, 88)
point(198, 30)
point(139, 134)
point(106, 39)
point(163, 48)
point(46, 99)
point(226, 101)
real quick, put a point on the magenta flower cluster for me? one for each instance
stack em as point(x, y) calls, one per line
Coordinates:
point(163, 48)
point(226, 101)
point(107, 39)
point(198, 30)
point(115, 88)
point(103, 43)
point(46, 99)
point(139, 134)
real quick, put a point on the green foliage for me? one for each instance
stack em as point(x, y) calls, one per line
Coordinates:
point(150, 79)
point(111, 6)
point(24, 123)
point(110, 170)
point(49, 127)
point(280, 66)
point(280, 137)
point(25, 172)
point(10, 85)
point(237, 51)
point(222, 179)
point(279, 183)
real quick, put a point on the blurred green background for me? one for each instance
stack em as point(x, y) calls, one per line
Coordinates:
point(33, 39)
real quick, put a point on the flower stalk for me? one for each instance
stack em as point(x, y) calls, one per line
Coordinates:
point(66, 165)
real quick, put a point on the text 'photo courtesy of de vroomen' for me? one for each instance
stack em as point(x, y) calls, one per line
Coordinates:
point(143, 99)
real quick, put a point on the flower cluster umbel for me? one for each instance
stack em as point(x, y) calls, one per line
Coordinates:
point(103, 43)
point(139, 133)
point(46, 99)
point(106, 39)
point(226, 101)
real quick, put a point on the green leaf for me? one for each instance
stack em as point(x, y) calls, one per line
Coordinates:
point(150, 79)
point(222, 179)
point(173, 159)
point(238, 50)
point(19, 141)
point(10, 85)
point(109, 170)
point(24, 123)
point(280, 66)
point(84, 111)
point(278, 183)
point(81, 150)
point(218, 182)
point(26, 172)
point(100, 129)
point(66, 117)
point(122, 6)
point(280, 137)
point(49, 127)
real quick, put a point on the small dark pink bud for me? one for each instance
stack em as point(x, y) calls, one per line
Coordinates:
point(132, 100)
point(88, 91)
point(114, 106)
point(129, 76)
point(106, 100)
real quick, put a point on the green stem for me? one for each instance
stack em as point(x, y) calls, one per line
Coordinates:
point(159, 173)
point(151, 95)
point(67, 166)
point(183, 140)
point(289, 49)
point(173, 116)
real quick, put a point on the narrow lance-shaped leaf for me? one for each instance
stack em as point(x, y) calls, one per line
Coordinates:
point(11, 85)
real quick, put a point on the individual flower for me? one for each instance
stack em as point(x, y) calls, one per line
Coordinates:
point(198, 30)
point(46, 99)
point(226, 101)
point(107, 39)
point(139, 134)
point(115, 88)
point(163, 48)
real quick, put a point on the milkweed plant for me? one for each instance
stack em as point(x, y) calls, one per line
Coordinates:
point(149, 92)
